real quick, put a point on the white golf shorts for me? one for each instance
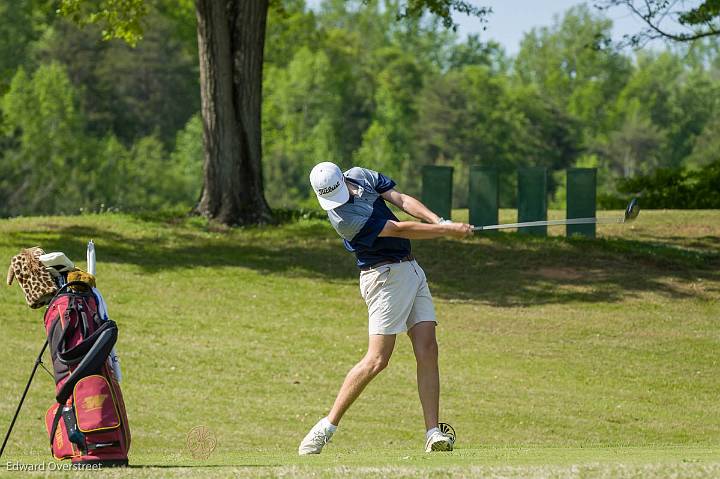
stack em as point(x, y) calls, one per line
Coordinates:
point(397, 297)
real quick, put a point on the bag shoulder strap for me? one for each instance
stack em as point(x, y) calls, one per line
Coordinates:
point(92, 361)
point(56, 421)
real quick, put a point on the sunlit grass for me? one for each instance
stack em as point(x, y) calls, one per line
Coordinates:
point(570, 350)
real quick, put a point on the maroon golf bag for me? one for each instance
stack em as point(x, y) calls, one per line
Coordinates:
point(88, 424)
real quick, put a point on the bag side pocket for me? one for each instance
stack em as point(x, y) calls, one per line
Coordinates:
point(95, 405)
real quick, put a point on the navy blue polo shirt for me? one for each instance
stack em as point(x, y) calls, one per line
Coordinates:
point(363, 217)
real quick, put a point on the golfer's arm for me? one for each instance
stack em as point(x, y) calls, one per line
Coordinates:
point(413, 230)
point(411, 206)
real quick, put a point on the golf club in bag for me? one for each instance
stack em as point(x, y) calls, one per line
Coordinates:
point(631, 212)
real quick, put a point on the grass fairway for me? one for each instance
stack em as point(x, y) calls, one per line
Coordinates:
point(559, 358)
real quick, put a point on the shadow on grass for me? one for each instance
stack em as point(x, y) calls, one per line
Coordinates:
point(500, 270)
point(708, 243)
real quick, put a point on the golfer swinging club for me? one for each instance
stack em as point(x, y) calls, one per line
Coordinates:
point(392, 284)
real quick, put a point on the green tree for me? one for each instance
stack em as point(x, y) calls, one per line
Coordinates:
point(291, 26)
point(157, 181)
point(695, 103)
point(568, 66)
point(548, 135)
point(687, 22)
point(187, 158)
point(636, 146)
point(388, 143)
point(299, 113)
point(40, 112)
point(231, 40)
point(475, 52)
point(706, 146)
point(667, 103)
point(131, 92)
point(465, 118)
point(105, 180)
point(21, 23)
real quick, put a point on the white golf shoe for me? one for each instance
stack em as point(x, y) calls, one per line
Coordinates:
point(315, 440)
point(439, 442)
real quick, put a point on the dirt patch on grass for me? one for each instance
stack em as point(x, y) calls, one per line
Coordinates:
point(561, 273)
point(49, 226)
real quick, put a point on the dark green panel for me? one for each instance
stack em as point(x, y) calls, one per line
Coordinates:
point(483, 196)
point(532, 198)
point(437, 189)
point(581, 195)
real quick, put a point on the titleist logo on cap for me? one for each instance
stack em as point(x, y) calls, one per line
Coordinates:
point(328, 189)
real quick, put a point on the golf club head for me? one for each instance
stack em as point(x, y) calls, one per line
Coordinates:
point(632, 211)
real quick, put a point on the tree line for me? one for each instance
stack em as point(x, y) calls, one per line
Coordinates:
point(90, 125)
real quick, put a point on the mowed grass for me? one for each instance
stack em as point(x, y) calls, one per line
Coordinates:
point(559, 358)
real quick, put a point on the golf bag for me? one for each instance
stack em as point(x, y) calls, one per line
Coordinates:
point(88, 424)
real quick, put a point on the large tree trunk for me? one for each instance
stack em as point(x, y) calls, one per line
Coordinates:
point(231, 38)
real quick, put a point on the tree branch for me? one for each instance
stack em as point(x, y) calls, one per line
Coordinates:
point(706, 16)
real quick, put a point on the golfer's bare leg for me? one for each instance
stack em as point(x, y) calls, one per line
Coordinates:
point(380, 348)
point(425, 348)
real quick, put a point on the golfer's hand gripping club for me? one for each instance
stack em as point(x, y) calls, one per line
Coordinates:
point(459, 230)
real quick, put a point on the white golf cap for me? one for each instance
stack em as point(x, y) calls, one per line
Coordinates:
point(329, 185)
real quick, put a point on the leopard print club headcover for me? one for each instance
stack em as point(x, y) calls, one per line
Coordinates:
point(35, 281)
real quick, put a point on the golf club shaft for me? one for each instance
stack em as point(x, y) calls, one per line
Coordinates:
point(22, 399)
point(571, 221)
